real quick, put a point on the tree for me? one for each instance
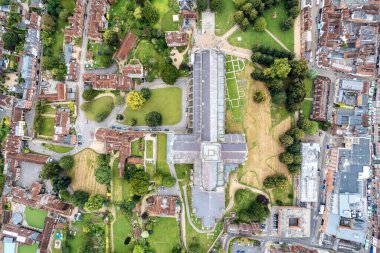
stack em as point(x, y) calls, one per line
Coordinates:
point(279, 69)
point(10, 39)
point(297, 133)
point(103, 175)
point(135, 100)
point(153, 119)
point(294, 12)
point(276, 180)
point(275, 85)
point(260, 24)
point(66, 162)
point(48, 23)
point(294, 169)
point(239, 3)
point(201, 5)
point(168, 181)
point(286, 24)
point(297, 158)
point(103, 160)
point(137, 13)
point(80, 198)
point(89, 94)
point(138, 249)
point(130, 170)
point(157, 177)
point(312, 74)
point(294, 148)
point(140, 183)
point(194, 246)
point(299, 69)
point(111, 38)
point(244, 24)
point(94, 203)
point(146, 93)
point(215, 5)
point(238, 17)
point(259, 96)
point(150, 13)
point(286, 140)
point(325, 125)
point(286, 158)
point(132, 122)
point(50, 170)
point(61, 183)
point(256, 212)
point(169, 74)
point(262, 199)
point(312, 129)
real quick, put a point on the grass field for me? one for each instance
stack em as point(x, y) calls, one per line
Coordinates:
point(309, 87)
point(22, 248)
point(273, 25)
point(122, 228)
point(166, 13)
point(243, 199)
point(262, 140)
point(168, 227)
point(35, 217)
point(285, 196)
point(149, 168)
point(306, 108)
point(167, 101)
point(98, 109)
point(102, 55)
point(57, 148)
point(48, 109)
point(161, 165)
point(47, 126)
point(83, 173)
point(250, 38)
point(224, 17)
point(135, 147)
point(149, 149)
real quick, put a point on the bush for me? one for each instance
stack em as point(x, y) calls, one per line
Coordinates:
point(169, 74)
point(79, 198)
point(67, 162)
point(260, 24)
point(215, 5)
point(168, 181)
point(120, 117)
point(146, 93)
point(89, 94)
point(103, 175)
point(153, 119)
point(132, 122)
point(259, 96)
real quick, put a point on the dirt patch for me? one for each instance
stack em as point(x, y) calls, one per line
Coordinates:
point(262, 140)
point(83, 173)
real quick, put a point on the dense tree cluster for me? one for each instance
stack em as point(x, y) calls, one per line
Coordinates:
point(249, 10)
point(52, 171)
point(94, 203)
point(138, 179)
point(276, 181)
point(267, 54)
point(66, 162)
point(169, 74)
point(251, 208)
point(103, 174)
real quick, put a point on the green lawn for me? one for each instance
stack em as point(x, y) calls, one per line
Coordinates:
point(149, 168)
point(250, 38)
point(167, 101)
point(182, 170)
point(168, 227)
point(306, 108)
point(35, 217)
point(121, 190)
point(149, 149)
point(224, 18)
point(102, 55)
point(166, 13)
point(243, 199)
point(122, 228)
point(57, 148)
point(273, 25)
point(49, 109)
point(22, 248)
point(98, 109)
point(147, 53)
point(161, 165)
point(278, 113)
point(135, 147)
point(47, 126)
point(283, 195)
point(309, 87)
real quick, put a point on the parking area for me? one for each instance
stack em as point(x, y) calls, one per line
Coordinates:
point(29, 173)
point(237, 248)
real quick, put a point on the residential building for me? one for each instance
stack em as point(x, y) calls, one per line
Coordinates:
point(76, 21)
point(128, 43)
point(98, 21)
point(176, 39)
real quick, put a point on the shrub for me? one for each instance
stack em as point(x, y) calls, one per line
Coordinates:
point(168, 181)
point(66, 162)
point(260, 24)
point(259, 96)
point(146, 93)
point(103, 175)
point(89, 94)
point(153, 119)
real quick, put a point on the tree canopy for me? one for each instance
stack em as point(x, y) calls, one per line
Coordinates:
point(259, 96)
point(50, 170)
point(202, 5)
point(279, 69)
point(103, 175)
point(153, 119)
point(146, 93)
point(61, 183)
point(10, 39)
point(169, 74)
point(66, 162)
point(111, 38)
point(94, 203)
point(135, 100)
point(79, 198)
point(140, 183)
point(260, 24)
point(276, 181)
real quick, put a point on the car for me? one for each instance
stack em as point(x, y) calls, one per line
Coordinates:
point(136, 129)
point(166, 129)
point(79, 139)
point(1, 109)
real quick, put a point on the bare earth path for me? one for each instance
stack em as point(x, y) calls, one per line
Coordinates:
point(297, 37)
point(277, 40)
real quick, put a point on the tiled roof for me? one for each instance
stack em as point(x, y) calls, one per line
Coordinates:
point(126, 46)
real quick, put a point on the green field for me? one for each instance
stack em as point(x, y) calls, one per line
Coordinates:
point(98, 109)
point(285, 196)
point(135, 147)
point(47, 126)
point(149, 168)
point(161, 165)
point(147, 53)
point(250, 38)
point(306, 108)
point(167, 101)
point(122, 228)
point(273, 25)
point(309, 87)
point(149, 149)
point(224, 17)
point(57, 148)
point(102, 55)
point(168, 227)
point(48, 109)
point(22, 248)
point(278, 113)
point(35, 217)
point(166, 13)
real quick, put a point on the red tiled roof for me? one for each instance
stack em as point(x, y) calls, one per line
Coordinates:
point(126, 46)
point(176, 39)
point(59, 96)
